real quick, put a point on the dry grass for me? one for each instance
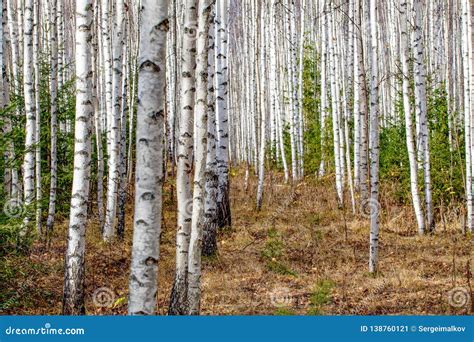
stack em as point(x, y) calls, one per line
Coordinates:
point(300, 255)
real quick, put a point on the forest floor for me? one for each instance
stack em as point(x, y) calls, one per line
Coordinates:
point(299, 255)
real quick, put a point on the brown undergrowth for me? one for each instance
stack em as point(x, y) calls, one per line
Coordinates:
point(299, 255)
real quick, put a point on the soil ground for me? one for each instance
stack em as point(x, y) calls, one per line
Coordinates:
point(299, 255)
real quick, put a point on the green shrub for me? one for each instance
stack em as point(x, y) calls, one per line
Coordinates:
point(320, 297)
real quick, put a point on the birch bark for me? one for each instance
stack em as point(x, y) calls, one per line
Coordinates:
point(54, 120)
point(73, 301)
point(200, 155)
point(143, 286)
point(30, 110)
point(374, 140)
point(178, 300)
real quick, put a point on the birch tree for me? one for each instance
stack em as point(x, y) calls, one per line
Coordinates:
point(262, 102)
point(154, 25)
point(360, 108)
point(421, 109)
point(185, 159)
point(468, 108)
point(54, 119)
point(471, 95)
point(338, 156)
point(30, 111)
point(223, 201)
point(374, 140)
point(36, 67)
point(405, 60)
point(114, 124)
point(12, 28)
point(200, 152)
point(124, 108)
point(209, 243)
point(73, 302)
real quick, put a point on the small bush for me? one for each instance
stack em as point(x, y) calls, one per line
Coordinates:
point(274, 252)
point(320, 297)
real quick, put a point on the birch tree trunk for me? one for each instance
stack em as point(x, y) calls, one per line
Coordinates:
point(357, 86)
point(36, 67)
point(106, 54)
point(405, 59)
point(324, 91)
point(114, 125)
point(3, 101)
point(292, 88)
point(421, 109)
point(338, 157)
point(471, 65)
point(60, 41)
point(275, 88)
point(467, 106)
point(12, 28)
point(98, 112)
point(122, 188)
point(200, 155)
point(178, 300)
point(360, 108)
point(222, 79)
point(374, 141)
point(262, 101)
point(154, 26)
point(30, 111)
point(209, 243)
point(54, 120)
point(73, 302)
point(300, 89)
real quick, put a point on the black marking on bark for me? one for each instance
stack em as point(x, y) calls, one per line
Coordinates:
point(148, 196)
point(150, 66)
point(150, 261)
point(163, 26)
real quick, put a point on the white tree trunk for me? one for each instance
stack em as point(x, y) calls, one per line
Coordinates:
point(471, 93)
point(338, 157)
point(324, 92)
point(200, 155)
point(261, 79)
point(54, 120)
point(73, 303)
point(122, 188)
point(36, 67)
point(114, 124)
point(363, 113)
point(154, 26)
point(405, 59)
point(30, 111)
point(467, 114)
point(178, 301)
point(374, 141)
point(209, 243)
point(222, 79)
point(421, 109)
point(301, 58)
